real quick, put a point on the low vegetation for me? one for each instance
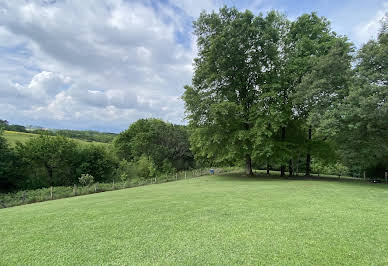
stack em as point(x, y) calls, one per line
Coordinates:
point(148, 149)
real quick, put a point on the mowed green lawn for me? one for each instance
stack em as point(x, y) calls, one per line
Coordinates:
point(227, 219)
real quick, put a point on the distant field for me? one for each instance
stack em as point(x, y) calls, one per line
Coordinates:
point(13, 137)
point(212, 220)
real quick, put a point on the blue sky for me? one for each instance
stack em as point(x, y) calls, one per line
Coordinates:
point(104, 64)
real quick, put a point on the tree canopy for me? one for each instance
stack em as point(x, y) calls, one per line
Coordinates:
point(163, 143)
point(260, 83)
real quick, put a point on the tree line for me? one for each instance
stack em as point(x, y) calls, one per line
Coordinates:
point(270, 92)
point(4, 124)
point(147, 149)
point(87, 135)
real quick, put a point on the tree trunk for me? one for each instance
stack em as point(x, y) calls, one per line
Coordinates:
point(283, 167)
point(248, 165)
point(267, 168)
point(50, 173)
point(290, 168)
point(282, 170)
point(308, 157)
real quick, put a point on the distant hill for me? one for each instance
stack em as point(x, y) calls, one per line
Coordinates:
point(13, 137)
point(86, 135)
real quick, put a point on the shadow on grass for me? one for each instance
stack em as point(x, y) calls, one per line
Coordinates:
point(264, 177)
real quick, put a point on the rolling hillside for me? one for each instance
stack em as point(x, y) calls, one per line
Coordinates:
point(13, 137)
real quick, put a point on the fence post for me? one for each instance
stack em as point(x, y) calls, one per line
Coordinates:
point(51, 193)
point(386, 177)
point(113, 184)
point(75, 190)
point(95, 188)
point(364, 176)
point(186, 175)
point(176, 176)
point(23, 197)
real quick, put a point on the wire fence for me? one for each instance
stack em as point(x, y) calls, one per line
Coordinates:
point(58, 192)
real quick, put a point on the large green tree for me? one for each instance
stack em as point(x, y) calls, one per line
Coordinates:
point(317, 74)
point(7, 165)
point(250, 96)
point(97, 160)
point(162, 142)
point(231, 89)
point(360, 124)
point(57, 156)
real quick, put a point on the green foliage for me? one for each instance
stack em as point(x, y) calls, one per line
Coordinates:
point(7, 165)
point(260, 82)
point(4, 124)
point(359, 125)
point(87, 135)
point(145, 168)
point(55, 155)
point(336, 168)
point(230, 91)
point(158, 141)
point(167, 167)
point(45, 160)
point(97, 160)
point(86, 179)
point(126, 170)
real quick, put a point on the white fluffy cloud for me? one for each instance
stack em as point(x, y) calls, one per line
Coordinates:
point(90, 62)
point(43, 86)
point(366, 30)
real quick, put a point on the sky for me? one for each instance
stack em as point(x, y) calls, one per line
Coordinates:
point(101, 65)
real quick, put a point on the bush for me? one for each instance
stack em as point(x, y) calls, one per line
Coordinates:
point(145, 167)
point(86, 179)
point(126, 170)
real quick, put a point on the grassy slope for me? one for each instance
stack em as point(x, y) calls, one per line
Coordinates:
point(209, 220)
point(13, 137)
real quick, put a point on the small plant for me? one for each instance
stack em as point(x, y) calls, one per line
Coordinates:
point(86, 179)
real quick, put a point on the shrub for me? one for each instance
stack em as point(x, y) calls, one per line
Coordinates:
point(126, 170)
point(86, 179)
point(145, 167)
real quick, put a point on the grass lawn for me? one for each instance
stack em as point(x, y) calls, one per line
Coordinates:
point(227, 219)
